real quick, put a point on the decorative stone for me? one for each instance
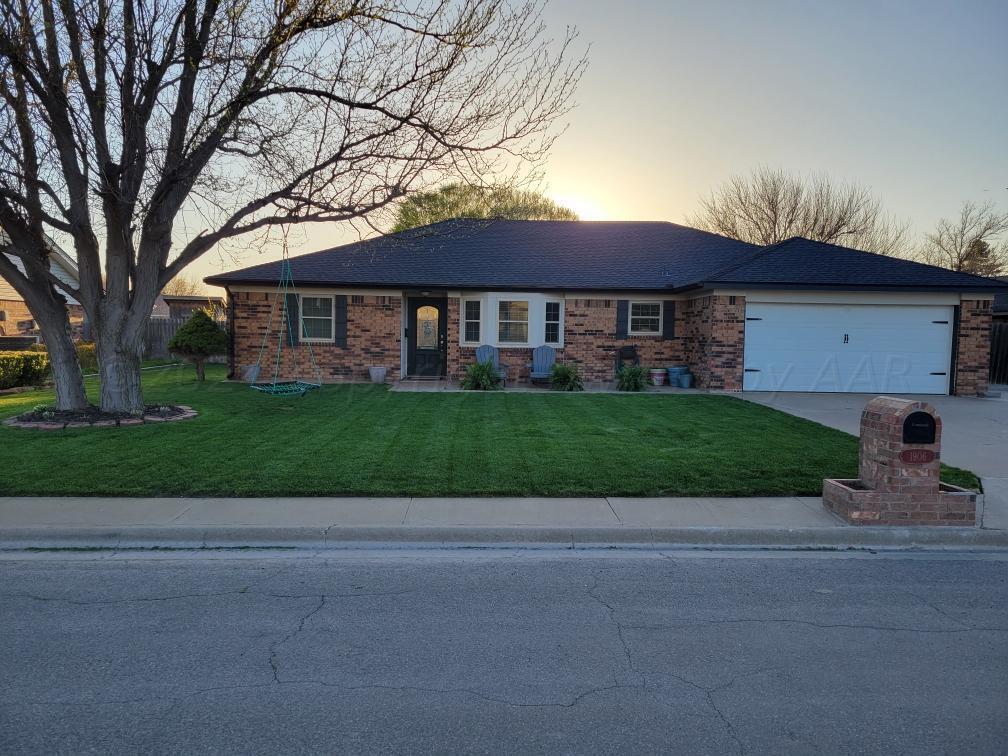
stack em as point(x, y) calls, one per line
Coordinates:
point(14, 422)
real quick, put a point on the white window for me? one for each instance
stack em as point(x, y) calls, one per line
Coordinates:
point(472, 310)
point(317, 315)
point(513, 321)
point(645, 318)
point(552, 322)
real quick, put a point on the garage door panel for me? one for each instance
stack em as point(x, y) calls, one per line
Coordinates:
point(896, 349)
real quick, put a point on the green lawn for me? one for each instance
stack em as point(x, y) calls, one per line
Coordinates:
point(366, 440)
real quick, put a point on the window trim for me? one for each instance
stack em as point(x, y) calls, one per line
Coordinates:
point(527, 321)
point(332, 319)
point(630, 316)
point(559, 321)
point(462, 308)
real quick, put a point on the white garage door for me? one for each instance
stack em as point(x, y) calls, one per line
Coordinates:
point(848, 348)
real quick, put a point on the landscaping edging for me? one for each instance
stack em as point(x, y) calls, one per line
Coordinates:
point(187, 414)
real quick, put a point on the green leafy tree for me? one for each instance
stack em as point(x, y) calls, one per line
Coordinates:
point(197, 339)
point(458, 200)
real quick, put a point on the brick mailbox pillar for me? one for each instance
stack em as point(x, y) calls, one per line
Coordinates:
point(900, 462)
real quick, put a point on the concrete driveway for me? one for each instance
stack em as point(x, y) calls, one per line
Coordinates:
point(974, 433)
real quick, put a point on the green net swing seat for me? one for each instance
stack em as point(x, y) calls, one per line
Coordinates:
point(285, 388)
point(284, 303)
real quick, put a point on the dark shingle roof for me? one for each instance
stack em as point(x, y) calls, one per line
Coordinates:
point(802, 262)
point(595, 255)
point(514, 255)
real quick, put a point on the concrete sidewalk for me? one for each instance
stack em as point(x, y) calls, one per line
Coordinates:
point(329, 522)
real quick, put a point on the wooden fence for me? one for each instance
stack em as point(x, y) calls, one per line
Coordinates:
point(999, 353)
point(160, 332)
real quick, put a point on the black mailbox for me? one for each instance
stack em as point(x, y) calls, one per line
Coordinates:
point(919, 428)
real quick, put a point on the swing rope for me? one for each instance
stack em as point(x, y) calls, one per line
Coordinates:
point(296, 387)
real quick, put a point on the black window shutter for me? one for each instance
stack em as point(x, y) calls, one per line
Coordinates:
point(622, 318)
point(668, 320)
point(340, 319)
point(293, 324)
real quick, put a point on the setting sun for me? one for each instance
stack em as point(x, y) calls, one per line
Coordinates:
point(585, 207)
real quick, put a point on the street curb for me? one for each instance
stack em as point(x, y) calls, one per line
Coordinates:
point(336, 537)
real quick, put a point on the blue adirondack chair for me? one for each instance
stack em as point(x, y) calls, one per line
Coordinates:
point(543, 358)
point(488, 353)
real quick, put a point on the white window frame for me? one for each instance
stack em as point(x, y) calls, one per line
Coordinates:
point(332, 319)
point(528, 320)
point(559, 321)
point(464, 320)
point(490, 317)
point(630, 316)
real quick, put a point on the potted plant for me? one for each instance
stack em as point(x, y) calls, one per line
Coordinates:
point(377, 374)
point(657, 376)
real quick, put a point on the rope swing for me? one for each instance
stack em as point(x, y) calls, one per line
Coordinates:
point(286, 302)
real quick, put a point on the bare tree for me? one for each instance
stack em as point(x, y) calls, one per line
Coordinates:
point(122, 118)
point(770, 205)
point(183, 286)
point(971, 243)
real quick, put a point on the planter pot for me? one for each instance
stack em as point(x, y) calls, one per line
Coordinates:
point(674, 372)
point(377, 374)
point(657, 376)
point(686, 380)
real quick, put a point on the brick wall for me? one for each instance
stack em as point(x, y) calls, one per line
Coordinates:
point(374, 326)
point(589, 341)
point(15, 311)
point(972, 369)
point(714, 335)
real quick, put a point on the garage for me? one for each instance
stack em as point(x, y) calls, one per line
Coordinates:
point(861, 348)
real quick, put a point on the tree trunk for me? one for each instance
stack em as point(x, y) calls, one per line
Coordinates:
point(54, 324)
point(200, 368)
point(67, 376)
point(119, 373)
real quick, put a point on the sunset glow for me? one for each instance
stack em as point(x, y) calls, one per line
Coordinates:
point(586, 207)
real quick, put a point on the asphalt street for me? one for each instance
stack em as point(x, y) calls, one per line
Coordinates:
point(503, 652)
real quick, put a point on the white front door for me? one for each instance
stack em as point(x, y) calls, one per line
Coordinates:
point(848, 348)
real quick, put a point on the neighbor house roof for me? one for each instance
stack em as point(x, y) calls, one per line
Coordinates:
point(594, 255)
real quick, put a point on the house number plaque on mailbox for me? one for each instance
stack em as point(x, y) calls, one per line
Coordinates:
point(917, 456)
point(919, 428)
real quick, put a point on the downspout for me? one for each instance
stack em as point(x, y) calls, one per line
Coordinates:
point(231, 336)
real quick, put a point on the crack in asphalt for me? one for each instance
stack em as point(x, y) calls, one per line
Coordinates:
point(706, 691)
point(619, 628)
point(274, 649)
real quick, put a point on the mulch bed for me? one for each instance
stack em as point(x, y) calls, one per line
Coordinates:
point(93, 417)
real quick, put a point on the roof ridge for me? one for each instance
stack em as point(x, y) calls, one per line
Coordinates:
point(757, 254)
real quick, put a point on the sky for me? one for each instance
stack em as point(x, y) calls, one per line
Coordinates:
point(908, 98)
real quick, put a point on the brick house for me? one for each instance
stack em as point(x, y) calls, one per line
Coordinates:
point(795, 316)
point(17, 320)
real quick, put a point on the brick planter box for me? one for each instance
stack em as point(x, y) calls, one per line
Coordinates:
point(900, 463)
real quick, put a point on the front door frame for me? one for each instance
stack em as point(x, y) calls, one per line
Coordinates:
point(418, 361)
